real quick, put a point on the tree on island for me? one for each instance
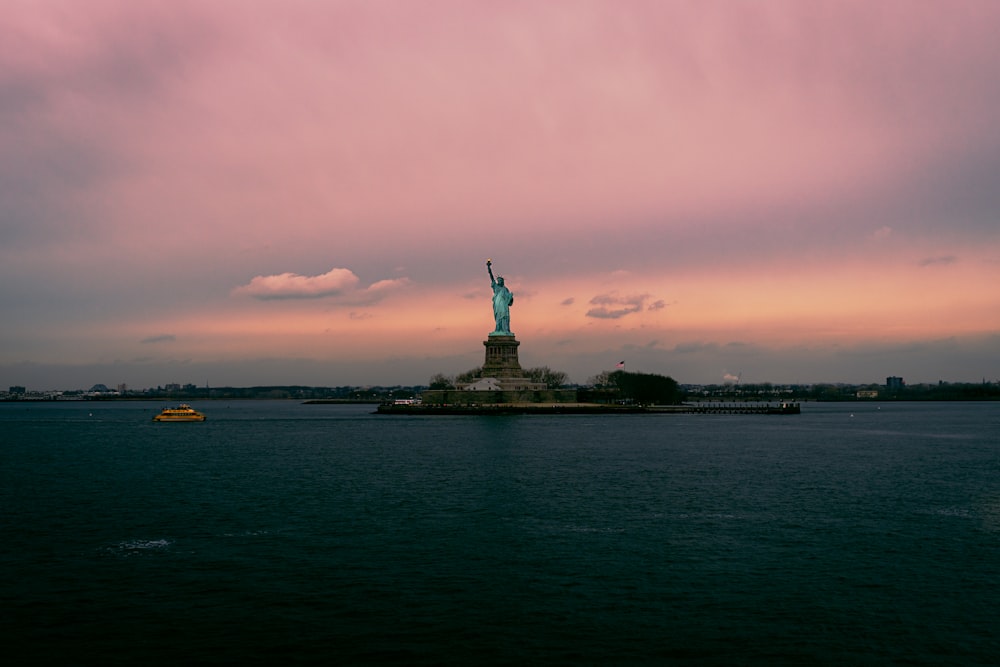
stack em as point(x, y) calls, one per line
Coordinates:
point(441, 381)
point(469, 376)
point(601, 380)
point(642, 388)
point(552, 379)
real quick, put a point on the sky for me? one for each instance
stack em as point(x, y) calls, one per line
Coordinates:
point(241, 192)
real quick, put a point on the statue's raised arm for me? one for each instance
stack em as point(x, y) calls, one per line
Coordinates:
point(502, 300)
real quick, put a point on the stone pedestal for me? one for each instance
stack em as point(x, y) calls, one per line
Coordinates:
point(502, 373)
point(501, 358)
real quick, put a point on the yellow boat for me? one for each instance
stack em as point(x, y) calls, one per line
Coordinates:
point(182, 413)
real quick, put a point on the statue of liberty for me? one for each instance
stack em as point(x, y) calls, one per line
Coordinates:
point(502, 300)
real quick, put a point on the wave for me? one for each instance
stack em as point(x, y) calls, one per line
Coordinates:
point(134, 547)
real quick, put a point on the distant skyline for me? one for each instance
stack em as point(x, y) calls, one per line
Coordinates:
point(260, 193)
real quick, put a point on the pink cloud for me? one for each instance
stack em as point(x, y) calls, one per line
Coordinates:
point(335, 283)
point(613, 307)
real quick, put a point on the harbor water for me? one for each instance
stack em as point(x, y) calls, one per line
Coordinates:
point(283, 533)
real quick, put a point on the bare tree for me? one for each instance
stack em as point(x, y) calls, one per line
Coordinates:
point(469, 376)
point(552, 379)
point(440, 381)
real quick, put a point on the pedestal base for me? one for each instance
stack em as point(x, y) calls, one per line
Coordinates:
point(501, 357)
point(501, 371)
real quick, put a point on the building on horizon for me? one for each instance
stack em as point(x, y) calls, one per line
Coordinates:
point(893, 383)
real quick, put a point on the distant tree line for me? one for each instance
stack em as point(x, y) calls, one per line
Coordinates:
point(352, 394)
point(941, 391)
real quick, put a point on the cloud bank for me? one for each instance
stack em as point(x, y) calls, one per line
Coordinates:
point(164, 338)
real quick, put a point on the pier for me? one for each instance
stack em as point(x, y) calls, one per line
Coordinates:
point(746, 409)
